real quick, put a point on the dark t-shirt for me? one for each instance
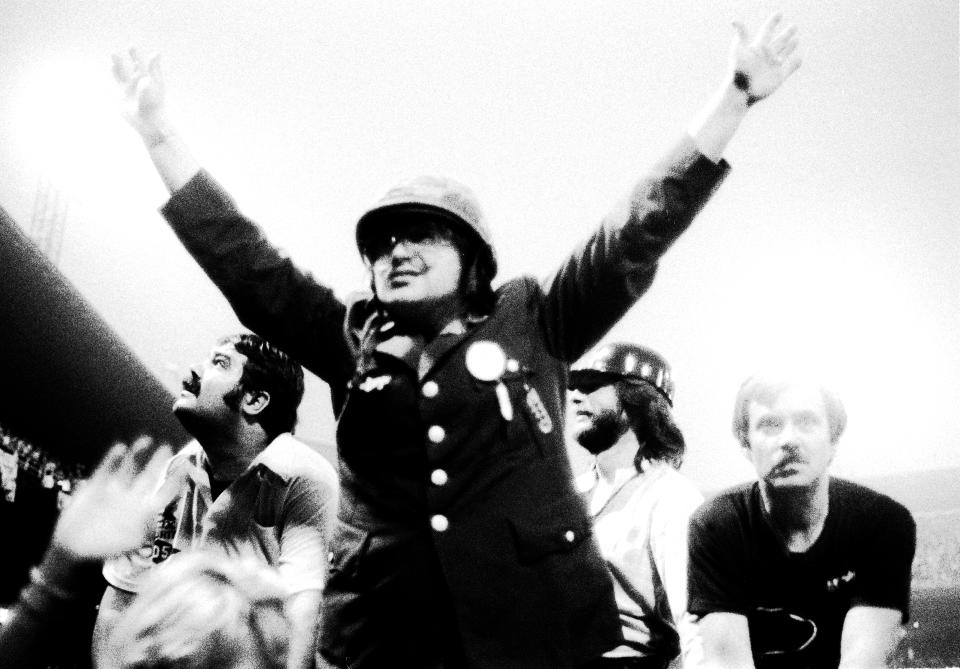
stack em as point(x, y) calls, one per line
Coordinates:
point(796, 602)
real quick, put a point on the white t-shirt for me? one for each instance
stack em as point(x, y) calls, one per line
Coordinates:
point(640, 523)
point(279, 512)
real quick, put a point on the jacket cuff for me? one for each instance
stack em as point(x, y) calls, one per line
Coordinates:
point(198, 199)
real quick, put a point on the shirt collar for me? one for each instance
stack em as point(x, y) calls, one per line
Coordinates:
point(273, 459)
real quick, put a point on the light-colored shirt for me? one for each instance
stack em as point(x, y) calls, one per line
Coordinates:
point(279, 512)
point(640, 523)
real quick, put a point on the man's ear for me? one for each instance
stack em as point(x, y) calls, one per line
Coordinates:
point(254, 402)
point(833, 450)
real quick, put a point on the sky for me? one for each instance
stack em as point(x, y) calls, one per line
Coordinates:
point(832, 245)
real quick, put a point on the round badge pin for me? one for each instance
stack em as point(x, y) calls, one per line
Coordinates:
point(486, 360)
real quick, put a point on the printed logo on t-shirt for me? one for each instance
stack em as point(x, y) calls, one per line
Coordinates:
point(780, 639)
point(835, 584)
point(163, 539)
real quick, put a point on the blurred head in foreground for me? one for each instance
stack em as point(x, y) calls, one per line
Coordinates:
point(199, 612)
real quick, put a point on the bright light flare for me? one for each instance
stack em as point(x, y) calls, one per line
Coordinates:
point(67, 123)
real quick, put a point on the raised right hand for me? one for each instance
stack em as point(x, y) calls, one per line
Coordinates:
point(143, 93)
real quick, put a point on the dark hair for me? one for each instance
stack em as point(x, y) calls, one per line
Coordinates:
point(651, 420)
point(270, 370)
point(477, 273)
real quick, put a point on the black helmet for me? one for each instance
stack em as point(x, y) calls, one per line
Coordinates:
point(613, 362)
point(449, 200)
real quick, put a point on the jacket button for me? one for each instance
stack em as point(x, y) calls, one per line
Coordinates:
point(430, 389)
point(436, 434)
point(569, 536)
point(439, 522)
point(438, 477)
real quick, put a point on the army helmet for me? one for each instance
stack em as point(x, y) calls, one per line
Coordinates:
point(619, 360)
point(450, 201)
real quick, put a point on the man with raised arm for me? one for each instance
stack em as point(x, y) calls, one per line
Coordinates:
point(245, 489)
point(798, 569)
point(460, 538)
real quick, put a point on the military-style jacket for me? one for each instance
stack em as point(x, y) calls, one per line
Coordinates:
point(457, 513)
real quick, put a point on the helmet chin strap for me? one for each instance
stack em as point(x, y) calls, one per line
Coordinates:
point(624, 422)
point(426, 318)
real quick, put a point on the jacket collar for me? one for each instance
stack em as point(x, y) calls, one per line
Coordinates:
point(371, 330)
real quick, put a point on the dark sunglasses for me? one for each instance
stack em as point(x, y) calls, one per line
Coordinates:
point(587, 381)
point(382, 242)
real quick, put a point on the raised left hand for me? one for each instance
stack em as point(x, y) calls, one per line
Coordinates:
point(112, 512)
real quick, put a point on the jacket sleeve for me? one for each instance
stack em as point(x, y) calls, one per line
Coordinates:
point(608, 273)
point(268, 293)
point(59, 593)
